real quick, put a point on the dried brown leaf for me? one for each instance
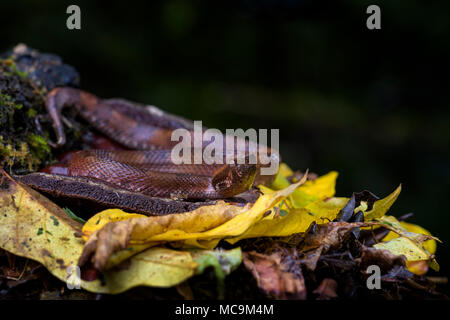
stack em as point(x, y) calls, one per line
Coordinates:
point(274, 276)
point(327, 289)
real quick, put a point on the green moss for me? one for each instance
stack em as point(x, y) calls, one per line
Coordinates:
point(23, 146)
point(11, 155)
point(38, 145)
point(8, 105)
point(13, 68)
point(31, 113)
point(5, 97)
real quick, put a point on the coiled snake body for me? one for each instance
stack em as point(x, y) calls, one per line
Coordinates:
point(148, 170)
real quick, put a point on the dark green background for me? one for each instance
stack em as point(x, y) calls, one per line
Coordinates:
point(373, 105)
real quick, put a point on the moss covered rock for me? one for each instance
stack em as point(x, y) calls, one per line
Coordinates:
point(25, 78)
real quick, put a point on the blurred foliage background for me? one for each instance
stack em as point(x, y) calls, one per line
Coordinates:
point(373, 105)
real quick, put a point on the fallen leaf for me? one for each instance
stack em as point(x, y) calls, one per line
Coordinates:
point(327, 289)
point(295, 221)
point(222, 261)
point(274, 276)
point(384, 259)
point(397, 274)
point(185, 291)
point(201, 228)
point(310, 191)
point(34, 227)
point(323, 238)
point(322, 187)
point(329, 235)
point(404, 246)
point(430, 245)
point(416, 267)
point(409, 244)
point(155, 267)
point(101, 219)
point(284, 170)
point(382, 206)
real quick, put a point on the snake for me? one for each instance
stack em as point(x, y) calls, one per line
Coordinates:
point(146, 167)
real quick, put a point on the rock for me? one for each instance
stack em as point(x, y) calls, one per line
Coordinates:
point(26, 75)
point(47, 71)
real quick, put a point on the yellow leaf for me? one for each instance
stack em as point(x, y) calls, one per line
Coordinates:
point(417, 267)
point(233, 227)
point(156, 267)
point(430, 245)
point(295, 221)
point(321, 188)
point(327, 208)
point(111, 240)
point(34, 227)
point(163, 267)
point(409, 244)
point(382, 206)
point(197, 221)
point(393, 224)
point(110, 215)
point(284, 170)
point(266, 190)
point(201, 228)
point(404, 246)
point(131, 250)
point(280, 182)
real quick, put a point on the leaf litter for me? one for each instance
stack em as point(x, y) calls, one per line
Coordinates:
point(297, 241)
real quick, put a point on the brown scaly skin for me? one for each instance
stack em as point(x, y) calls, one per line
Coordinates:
point(133, 125)
point(101, 195)
point(149, 172)
point(140, 177)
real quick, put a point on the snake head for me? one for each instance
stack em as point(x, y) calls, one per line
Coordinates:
point(231, 180)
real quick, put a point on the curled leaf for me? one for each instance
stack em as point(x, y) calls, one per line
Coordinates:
point(201, 228)
point(409, 244)
point(417, 267)
point(382, 206)
point(295, 221)
point(430, 245)
point(156, 267)
point(275, 275)
point(132, 230)
point(34, 227)
point(321, 188)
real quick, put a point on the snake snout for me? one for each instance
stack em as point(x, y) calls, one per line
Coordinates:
point(231, 180)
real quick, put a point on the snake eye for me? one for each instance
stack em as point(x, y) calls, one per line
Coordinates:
point(221, 185)
point(245, 170)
